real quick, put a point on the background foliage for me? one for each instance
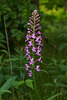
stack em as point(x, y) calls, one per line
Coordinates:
point(52, 78)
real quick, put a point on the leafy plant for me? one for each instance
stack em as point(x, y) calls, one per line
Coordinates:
point(52, 97)
point(7, 85)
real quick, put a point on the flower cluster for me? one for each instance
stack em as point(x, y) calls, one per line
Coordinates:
point(33, 39)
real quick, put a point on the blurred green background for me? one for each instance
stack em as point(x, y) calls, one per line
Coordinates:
point(53, 76)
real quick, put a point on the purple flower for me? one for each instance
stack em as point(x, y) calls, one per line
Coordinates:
point(38, 20)
point(27, 52)
point(33, 36)
point(31, 26)
point(30, 17)
point(39, 48)
point(38, 53)
point(30, 73)
point(28, 36)
point(31, 61)
point(34, 49)
point(39, 32)
point(40, 37)
point(37, 39)
point(29, 32)
point(37, 14)
point(26, 47)
point(29, 20)
point(27, 66)
point(28, 57)
point(35, 29)
point(34, 21)
point(37, 24)
point(35, 10)
point(40, 43)
point(28, 23)
point(37, 68)
point(28, 29)
point(40, 60)
point(30, 43)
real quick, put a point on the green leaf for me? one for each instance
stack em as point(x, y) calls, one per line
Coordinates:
point(51, 67)
point(6, 16)
point(52, 97)
point(48, 84)
point(5, 51)
point(12, 59)
point(54, 60)
point(1, 58)
point(52, 71)
point(55, 81)
point(61, 85)
point(4, 91)
point(16, 84)
point(20, 83)
point(29, 83)
point(8, 24)
point(8, 9)
point(62, 35)
point(62, 46)
point(1, 35)
point(8, 83)
point(17, 50)
point(1, 45)
point(62, 61)
point(63, 67)
point(44, 71)
point(50, 64)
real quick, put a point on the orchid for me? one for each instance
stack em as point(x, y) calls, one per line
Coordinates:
point(34, 43)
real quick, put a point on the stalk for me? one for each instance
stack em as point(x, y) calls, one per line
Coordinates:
point(0, 97)
point(9, 53)
point(34, 81)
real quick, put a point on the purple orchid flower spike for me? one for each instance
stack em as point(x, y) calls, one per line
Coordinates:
point(34, 43)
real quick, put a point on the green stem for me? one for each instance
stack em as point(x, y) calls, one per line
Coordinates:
point(0, 97)
point(34, 81)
